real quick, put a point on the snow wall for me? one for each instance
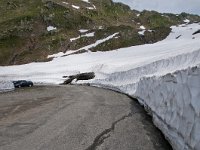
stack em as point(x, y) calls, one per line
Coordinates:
point(174, 101)
point(6, 86)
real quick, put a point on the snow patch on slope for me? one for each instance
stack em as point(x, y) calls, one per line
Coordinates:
point(85, 35)
point(87, 1)
point(65, 3)
point(51, 28)
point(186, 20)
point(83, 30)
point(142, 27)
point(141, 32)
point(60, 54)
point(76, 7)
point(99, 42)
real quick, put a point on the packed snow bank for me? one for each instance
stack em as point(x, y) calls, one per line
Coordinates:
point(6, 86)
point(127, 80)
point(174, 101)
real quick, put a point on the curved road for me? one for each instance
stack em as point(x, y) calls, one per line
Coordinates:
point(75, 118)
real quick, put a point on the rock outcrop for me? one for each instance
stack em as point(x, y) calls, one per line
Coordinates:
point(81, 76)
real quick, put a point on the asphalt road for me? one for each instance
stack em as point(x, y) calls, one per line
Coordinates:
point(75, 118)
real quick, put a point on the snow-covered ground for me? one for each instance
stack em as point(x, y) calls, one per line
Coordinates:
point(164, 76)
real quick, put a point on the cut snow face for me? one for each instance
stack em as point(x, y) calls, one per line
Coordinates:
point(174, 100)
point(51, 28)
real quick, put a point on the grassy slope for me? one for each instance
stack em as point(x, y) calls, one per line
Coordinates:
point(24, 38)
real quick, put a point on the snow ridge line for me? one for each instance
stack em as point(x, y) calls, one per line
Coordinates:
point(127, 79)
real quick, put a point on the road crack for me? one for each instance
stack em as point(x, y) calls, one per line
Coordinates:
point(100, 138)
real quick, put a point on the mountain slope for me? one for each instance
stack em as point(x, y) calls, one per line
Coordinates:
point(24, 37)
point(164, 75)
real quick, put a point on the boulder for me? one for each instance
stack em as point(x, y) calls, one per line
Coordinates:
point(85, 76)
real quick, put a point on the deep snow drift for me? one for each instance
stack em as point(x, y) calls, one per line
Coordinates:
point(164, 76)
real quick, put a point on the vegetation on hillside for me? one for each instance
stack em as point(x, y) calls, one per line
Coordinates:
point(24, 37)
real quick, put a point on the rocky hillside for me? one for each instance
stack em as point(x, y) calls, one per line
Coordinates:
point(32, 30)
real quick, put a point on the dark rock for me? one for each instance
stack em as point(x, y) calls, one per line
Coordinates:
point(198, 31)
point(68, 81)
point(81, 76)
point(85, 76)
point(178, 36)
